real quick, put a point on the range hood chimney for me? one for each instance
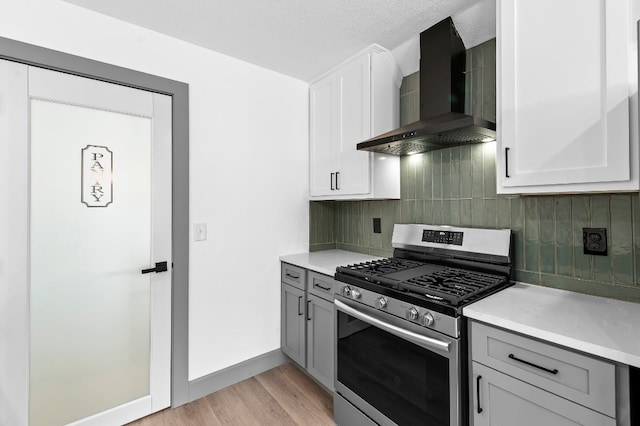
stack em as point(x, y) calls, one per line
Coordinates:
point(442, 123)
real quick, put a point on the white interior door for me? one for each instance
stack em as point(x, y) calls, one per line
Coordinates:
point(99, 212)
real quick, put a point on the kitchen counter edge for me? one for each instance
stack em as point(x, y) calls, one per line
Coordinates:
point(326, 261)
point(595, 325)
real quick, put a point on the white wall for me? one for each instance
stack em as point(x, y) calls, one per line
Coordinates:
point(248, 172)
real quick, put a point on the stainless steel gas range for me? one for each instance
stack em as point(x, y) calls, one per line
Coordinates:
point(401, 347)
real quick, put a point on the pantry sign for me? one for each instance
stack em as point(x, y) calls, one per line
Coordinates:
point(97, 176)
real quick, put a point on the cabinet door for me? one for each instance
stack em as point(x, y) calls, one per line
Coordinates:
point(564, 95)
point(320, 340)
point(292, 339)
point(354, 83)
point(505, 401)
point(323, 130)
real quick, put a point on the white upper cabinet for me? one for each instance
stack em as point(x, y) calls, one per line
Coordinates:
point(353, 102)
point(567, 96)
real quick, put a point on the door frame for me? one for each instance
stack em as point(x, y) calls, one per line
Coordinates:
point(29, 54)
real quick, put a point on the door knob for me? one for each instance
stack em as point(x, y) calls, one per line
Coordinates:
point(160, 267)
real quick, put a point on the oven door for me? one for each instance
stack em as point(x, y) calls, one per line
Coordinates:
point(394, 371)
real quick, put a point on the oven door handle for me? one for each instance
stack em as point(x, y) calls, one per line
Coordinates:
point(425, 342)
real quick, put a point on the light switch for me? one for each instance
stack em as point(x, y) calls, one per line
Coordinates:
point(199, 231)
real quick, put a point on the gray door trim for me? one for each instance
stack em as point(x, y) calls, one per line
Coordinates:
point(46, 58)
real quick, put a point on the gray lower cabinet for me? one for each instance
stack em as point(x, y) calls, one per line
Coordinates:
point(519, 380)
point(293, 324)
point(501, 400)
point(307, 321)
point(320, 340)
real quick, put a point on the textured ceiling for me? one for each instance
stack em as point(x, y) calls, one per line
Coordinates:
point(302, 38)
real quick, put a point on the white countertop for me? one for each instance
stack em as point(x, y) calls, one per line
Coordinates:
point(326, 261)
point(600, 326)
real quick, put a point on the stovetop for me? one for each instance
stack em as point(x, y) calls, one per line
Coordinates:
point(437, 267)
point(422, 283)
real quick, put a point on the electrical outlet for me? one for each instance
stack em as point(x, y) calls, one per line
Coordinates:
point(377, 225)
point(594, 241)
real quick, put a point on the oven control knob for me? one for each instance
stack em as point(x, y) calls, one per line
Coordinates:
point(381, 302)
point(355, 293)
point(346, 291)
point(413, 314)
point(428, 319)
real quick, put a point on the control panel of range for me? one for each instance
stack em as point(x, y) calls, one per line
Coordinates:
point(442, 237)
point(423, 238)
point(415, 314)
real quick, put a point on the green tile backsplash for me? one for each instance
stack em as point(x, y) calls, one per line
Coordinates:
point(457, 186)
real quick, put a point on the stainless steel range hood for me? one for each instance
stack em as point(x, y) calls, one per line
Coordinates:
point(442, 121)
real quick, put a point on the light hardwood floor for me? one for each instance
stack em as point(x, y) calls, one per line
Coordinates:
point(281, 396)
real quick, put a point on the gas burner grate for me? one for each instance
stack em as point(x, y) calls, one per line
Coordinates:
point(376, 268)
point(451, 284)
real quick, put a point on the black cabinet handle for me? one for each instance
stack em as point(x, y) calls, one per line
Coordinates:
point(308, 310)
point(332, 188)
point(548, 370)
point(299, 300)
point(160, 267)
point(506, 162)
point(337, 186)
point(294, 275)
point(321, 287)
point(478, 393)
